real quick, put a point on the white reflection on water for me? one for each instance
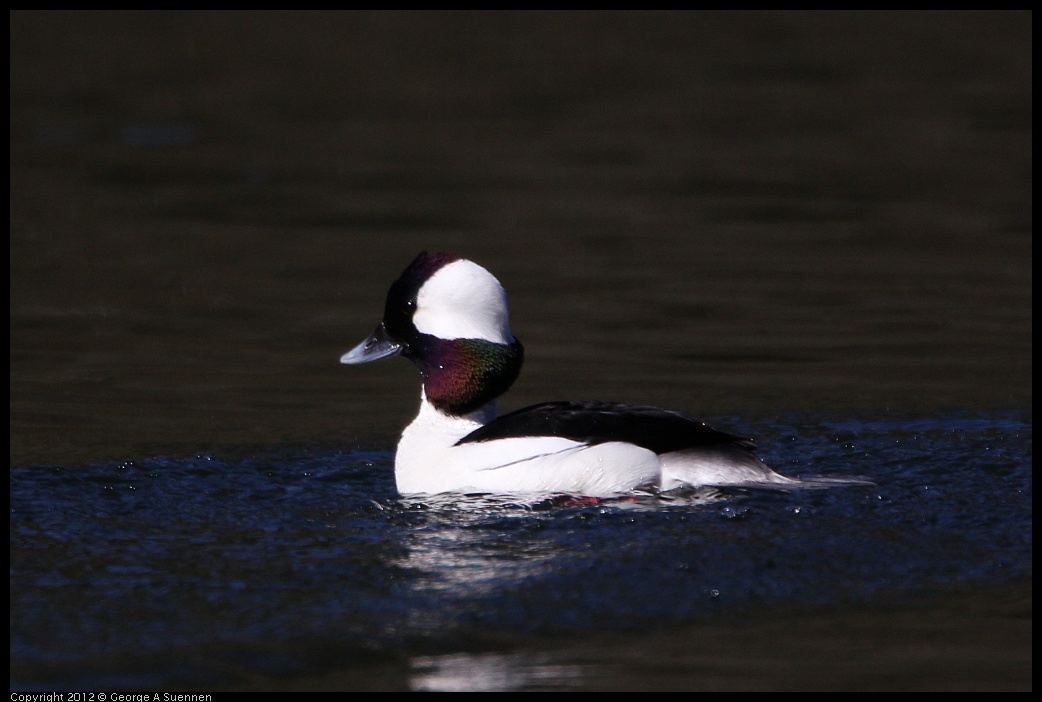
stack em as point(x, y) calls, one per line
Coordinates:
point(490, 672)
point(463, 550)
point(466, 549)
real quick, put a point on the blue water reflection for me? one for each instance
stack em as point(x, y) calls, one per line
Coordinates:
point(262, 559)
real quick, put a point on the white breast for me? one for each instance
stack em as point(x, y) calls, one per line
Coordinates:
point(429, 462)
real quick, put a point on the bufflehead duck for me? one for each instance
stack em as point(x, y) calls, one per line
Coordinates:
point(449, 316)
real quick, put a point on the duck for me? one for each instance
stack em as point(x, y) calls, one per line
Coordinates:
point(449, 316)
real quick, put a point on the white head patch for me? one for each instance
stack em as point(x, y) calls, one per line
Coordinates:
point(463, 301)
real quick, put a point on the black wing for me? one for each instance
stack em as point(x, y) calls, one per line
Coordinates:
point(655, 429)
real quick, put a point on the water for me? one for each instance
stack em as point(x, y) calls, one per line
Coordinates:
point(814, 229)
point(163, 573)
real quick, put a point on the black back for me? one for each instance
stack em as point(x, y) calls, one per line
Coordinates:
point(652, 428)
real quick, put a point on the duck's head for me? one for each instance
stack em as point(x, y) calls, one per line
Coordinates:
point(449, 316)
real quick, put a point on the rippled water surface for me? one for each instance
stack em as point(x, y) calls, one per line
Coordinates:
point(291, 565)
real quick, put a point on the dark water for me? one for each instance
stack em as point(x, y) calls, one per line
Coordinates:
point(211, 572)
point(811, 228)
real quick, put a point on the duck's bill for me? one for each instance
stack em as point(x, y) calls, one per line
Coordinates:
point(377, 346)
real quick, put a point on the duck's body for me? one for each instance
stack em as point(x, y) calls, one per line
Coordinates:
point(449, 316)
